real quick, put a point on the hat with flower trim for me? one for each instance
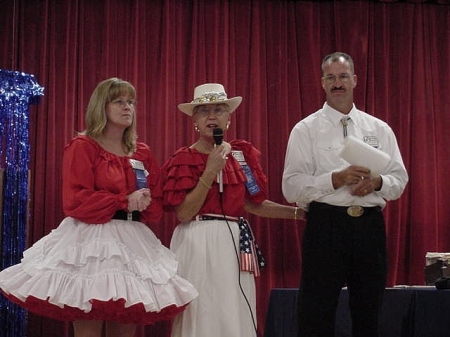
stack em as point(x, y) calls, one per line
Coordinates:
point(210, 93)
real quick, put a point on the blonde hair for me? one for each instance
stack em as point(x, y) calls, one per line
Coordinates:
point(95, 119)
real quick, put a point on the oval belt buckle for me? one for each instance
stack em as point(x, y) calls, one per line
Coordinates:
point(355, 211)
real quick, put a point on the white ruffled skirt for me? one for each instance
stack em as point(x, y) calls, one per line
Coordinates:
point(118, 271)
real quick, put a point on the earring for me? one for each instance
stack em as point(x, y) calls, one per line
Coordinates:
point(228, 125)
point(196, 128)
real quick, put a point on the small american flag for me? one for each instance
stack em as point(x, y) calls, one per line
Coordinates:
point(251, 258)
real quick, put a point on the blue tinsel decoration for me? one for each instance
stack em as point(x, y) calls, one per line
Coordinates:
point(17, 92)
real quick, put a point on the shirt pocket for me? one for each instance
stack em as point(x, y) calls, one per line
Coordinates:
point(327, 156)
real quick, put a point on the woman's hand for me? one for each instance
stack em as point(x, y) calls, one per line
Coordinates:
point(139, 200)
point(218, 158)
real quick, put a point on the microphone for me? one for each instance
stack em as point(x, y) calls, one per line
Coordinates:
point(218, 137)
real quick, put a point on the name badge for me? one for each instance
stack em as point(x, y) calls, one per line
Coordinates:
point(251, 184)
point(372, 141)
point(141, 173)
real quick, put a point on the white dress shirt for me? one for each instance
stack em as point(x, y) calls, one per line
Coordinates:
point(313, 154)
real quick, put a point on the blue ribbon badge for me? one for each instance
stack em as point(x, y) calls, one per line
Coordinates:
point(251, 184)
point(141, 173)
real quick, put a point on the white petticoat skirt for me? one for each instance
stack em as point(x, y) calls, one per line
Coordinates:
point(118, 271)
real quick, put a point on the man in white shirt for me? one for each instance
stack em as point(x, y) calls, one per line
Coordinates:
point(344, 242)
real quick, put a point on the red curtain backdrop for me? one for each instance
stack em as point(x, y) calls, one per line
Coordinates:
point(270, 53)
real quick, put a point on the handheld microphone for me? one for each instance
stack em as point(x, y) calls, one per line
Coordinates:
point(218, 137)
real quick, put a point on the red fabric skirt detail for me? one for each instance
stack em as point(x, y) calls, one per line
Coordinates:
point(112, 311)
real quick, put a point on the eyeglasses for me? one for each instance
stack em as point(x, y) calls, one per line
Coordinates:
point(122, 103)
point(206, 110)
point(344, 78)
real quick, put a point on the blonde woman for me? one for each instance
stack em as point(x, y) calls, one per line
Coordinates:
point(103, 263)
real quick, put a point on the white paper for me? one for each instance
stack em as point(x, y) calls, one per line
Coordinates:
point(356, 152)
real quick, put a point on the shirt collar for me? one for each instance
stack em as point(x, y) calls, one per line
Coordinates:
point(335, 116)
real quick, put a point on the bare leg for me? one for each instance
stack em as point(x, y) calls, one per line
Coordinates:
point(86, 328)
point(114, 329)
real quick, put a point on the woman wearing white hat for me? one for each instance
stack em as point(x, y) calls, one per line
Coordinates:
point(211, 185)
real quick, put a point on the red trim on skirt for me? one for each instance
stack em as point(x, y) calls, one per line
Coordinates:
point(112, 311)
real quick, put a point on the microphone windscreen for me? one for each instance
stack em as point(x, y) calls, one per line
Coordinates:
point(218, 136)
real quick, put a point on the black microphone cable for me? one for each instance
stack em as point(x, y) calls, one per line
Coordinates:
point(238, 263)
point(218, 138)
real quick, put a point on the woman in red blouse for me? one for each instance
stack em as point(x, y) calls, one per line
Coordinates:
point(211, 185)
point(103, 263)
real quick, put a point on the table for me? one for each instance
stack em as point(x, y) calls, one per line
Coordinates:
point(408, 311)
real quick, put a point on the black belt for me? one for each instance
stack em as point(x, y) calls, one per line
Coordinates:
point(353, 211)
point(123, 215)
point(202, 217)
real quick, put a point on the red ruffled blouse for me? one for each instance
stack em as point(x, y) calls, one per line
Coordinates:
point(182, 171)
point(96, 182)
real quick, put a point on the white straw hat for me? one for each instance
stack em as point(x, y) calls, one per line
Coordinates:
point(210, 93)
